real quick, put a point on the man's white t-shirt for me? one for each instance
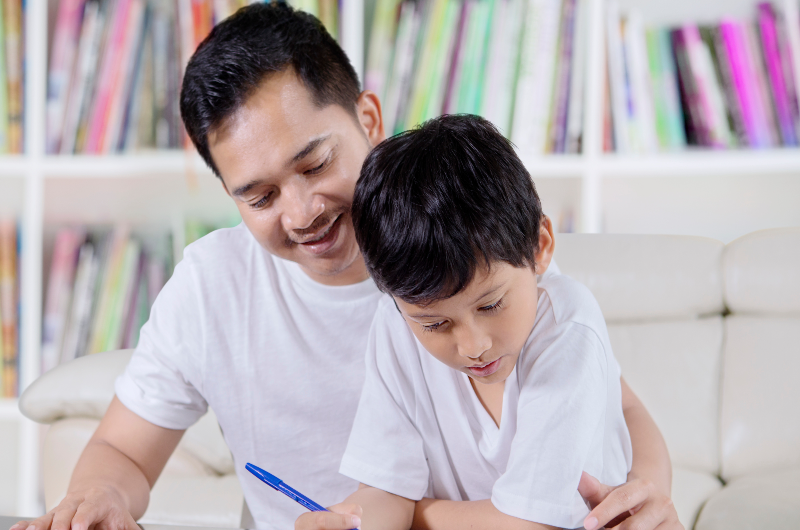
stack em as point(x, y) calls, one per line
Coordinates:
point(420, 430)
point(277, 356)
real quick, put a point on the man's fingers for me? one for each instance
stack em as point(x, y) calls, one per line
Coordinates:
point(42, 523)
point(592, 490)
point(87, 514)
point(327, 521)
point(618, 502)
point(20, 525)
point(62, 517)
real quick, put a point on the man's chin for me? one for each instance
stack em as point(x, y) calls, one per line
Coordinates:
point(335, 271)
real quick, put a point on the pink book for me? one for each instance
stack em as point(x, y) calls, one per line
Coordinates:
point(109, 72)
point(59, 291)
point(777, 83)
point(742, 73)
point(694, 43)
point(62, 58)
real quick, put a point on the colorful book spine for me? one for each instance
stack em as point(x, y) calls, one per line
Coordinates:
point(9, 303)
point(4, 143)
point(777, 83)
point(12, 25)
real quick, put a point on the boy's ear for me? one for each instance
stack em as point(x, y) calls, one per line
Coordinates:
point(370, 117)
point(547, 245)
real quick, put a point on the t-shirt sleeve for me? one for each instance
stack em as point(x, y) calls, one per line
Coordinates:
point(160, 384)
point(560, 431)
point(385, 450)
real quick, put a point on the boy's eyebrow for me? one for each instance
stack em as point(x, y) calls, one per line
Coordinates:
point(491, 290)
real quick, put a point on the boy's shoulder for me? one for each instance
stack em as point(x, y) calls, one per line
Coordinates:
point(571, 301)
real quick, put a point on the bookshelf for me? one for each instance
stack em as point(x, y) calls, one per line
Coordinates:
point(746, 189)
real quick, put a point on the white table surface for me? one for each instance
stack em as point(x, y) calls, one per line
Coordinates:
point(7, 522)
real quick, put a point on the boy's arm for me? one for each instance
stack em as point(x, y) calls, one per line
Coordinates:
point(647, 492)
point(368, 508)
point(434, 514)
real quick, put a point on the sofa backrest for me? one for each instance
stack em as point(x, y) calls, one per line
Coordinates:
point(760, 420)
point(662, 298)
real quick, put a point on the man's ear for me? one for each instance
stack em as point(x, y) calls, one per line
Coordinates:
point(368, 110)
point(547, 245)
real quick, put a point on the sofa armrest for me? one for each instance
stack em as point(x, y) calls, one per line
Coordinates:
point(81, 388)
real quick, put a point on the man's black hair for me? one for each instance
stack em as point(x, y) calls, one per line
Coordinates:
point(243, 49)
point(434, 203)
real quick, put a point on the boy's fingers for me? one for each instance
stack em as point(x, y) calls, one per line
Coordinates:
point(327, 521)
point(592, 490)
point(347, 509)
point(619, 502)
point(657, 514)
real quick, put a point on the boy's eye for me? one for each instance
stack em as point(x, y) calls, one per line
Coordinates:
point(491, 308)
point(432, 327)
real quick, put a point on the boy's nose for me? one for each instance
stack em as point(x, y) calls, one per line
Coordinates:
point(472, 343)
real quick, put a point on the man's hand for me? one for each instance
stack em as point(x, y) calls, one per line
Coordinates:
point(98, 508)
point(340, 517)
point(635, 504)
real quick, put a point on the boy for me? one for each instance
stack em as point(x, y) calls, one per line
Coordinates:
point(491, 385)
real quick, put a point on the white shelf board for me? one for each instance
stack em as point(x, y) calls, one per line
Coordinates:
point(704, 163)
point(13, 166)
point(555, 166)
point(9, 409)
point(174, 162)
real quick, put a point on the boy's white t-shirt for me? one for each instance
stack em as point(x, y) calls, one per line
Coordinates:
point(277, 356)
point(420, 430)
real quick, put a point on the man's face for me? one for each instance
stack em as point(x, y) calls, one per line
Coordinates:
point(291, 168)
point(481, 330)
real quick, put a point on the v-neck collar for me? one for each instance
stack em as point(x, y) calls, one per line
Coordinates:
point(478, 413)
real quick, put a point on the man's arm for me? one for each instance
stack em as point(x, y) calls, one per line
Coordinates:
point(110, 486)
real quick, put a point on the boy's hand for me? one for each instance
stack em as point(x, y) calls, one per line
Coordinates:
point(340, 517)
point(635, 504)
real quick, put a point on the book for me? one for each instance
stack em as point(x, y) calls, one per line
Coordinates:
point(62, 58)
point(4, 143)
point(9, 302)
point(14, 49)
point(59, 290)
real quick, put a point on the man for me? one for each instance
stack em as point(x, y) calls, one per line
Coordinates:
point(267, 322)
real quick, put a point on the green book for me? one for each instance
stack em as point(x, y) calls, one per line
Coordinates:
point(443, 55)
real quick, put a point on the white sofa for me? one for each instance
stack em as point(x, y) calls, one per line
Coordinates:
point(708, 336)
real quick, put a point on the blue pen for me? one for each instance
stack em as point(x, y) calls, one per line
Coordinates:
point(284, 488)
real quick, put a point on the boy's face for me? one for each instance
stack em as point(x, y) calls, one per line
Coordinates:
point(481, 330)
point(291, 168)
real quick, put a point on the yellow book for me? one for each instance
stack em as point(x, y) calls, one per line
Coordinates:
point(12, 23)
point(8, 305)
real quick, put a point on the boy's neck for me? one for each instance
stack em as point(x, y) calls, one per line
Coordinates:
point(491, 397)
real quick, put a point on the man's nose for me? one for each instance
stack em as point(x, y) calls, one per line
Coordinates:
point(301, 207)
point(472, 341)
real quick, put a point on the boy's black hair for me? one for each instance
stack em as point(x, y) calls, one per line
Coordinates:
point(243, 49)
point(434, 203)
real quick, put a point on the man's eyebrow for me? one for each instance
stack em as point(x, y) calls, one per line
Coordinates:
point(241, 190)
point(310, 146)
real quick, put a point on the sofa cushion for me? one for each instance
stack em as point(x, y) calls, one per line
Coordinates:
point(760, 424)
point(655, 359)
point(637, 277)
point(761, 500)
point(690, 490)
point(762, 272)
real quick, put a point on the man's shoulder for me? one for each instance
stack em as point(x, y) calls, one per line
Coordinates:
point(223, 250)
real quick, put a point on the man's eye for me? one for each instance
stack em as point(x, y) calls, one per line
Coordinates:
point(262, 201)
point(319, 168)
